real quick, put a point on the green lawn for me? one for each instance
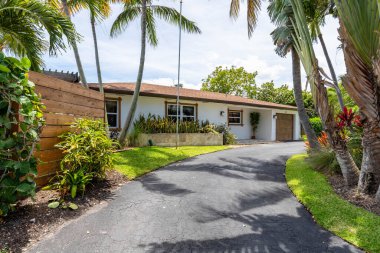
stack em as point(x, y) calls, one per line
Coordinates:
point(350, 222)
point(139, 161)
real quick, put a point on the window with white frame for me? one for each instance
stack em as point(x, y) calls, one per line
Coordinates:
point(113, 113)
point(234, 117)
point(185, 112)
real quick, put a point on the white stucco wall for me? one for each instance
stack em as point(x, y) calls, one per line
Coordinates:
point(211, 111)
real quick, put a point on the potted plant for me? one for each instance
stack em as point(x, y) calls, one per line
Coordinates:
point(254, 119)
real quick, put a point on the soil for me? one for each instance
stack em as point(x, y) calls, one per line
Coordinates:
point(351, 195)
point(32, 220)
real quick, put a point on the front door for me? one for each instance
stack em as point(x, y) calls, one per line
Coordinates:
point(284, 127)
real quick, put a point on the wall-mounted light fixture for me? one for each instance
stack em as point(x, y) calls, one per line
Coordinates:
point(275, 116)
point(222, 113)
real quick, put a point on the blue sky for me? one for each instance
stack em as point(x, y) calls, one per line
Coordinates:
point(222, 42)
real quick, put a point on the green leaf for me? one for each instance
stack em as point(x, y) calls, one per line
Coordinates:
point(25, 187)
point(73, 206)
point(4, 69)
point(26, 63)
point(53, 205)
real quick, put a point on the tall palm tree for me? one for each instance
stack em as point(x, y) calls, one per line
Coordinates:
point(304, 46)
point(253, 8)
point(65, 6)
point(316, 12)
point(23, 24)
point(359, 32)
point(280, 12)
point(147, 12)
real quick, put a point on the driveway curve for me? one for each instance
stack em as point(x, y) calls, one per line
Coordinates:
point(232, 201)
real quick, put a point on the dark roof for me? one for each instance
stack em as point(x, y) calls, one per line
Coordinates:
point(68, 77)
point(153, 90)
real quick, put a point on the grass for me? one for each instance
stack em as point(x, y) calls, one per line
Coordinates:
point(139, 161)
point(354, 224)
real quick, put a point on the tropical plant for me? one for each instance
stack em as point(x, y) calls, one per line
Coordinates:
point(228, 137)
point(87, 147)
point(147, 11)
point(316, 124)
point(232, 81)
point(359, 32)
point(254, 118)
point(281, 13)
point(303, 45)
point(253, 8)
point(24, 25)
point(20, 123)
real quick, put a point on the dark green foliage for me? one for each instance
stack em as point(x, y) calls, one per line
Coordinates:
point(324, 160)
point(254, 118)
point(88, 154)
point(316, 124)
point(153, 124)
point(228, 137)
point(19, 105)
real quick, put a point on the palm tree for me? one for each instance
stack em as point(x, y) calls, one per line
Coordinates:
point(253, 8)
point(304, 47)
point(67, 9)
point(280, 12)
point(316, 12)
point(147, 11)
point(359, 32)
point(23, 24)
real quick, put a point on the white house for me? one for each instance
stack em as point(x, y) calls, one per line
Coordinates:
point(277, 122)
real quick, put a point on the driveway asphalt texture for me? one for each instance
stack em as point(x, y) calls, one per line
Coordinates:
point(235, 200)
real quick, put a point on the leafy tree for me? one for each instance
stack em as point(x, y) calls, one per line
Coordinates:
point(23, 28)
point(233, 81)
point(282, 95)
point(147, 12)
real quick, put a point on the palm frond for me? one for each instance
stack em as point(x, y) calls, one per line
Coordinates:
point(129, 13)
point(151, 28)
point(173, 16)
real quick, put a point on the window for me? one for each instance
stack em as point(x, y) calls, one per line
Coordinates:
point(235, 117)
point(113, 113)
point(185, 113)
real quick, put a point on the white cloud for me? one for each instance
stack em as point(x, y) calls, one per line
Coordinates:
point(223, 42)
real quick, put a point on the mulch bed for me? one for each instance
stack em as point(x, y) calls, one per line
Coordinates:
point(351, 195)
point(32, 220)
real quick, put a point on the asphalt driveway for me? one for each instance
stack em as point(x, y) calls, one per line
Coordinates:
point(231, 201)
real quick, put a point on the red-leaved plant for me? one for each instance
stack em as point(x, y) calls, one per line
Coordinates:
point(348, 118)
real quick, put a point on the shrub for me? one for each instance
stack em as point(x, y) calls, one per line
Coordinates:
point(254, 120)
point(19, 106)
point(324, 160)
point(316, 124)
point(87, 154)
point(228, 137)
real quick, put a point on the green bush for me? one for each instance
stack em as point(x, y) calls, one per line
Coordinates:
point(324, 160)
point(18, 167)
point(316, 124)
point(254, 118)
point(88, 154)
point(228, 137)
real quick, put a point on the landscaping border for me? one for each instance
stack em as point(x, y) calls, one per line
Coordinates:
point(353, 224)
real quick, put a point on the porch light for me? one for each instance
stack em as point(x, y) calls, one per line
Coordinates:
point(275, 116)
point(222, 113)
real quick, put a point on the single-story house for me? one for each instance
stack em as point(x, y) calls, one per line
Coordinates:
point(277, 121)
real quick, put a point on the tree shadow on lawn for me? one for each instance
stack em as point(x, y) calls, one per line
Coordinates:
point(261, 233)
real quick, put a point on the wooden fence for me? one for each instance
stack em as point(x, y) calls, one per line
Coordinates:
point(64, 103)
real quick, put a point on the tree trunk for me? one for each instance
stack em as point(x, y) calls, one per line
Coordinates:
point(99, 72)
point(347, 165)
point(132, 110)
point(332, 71)
point(304, 118)
point(75, 48)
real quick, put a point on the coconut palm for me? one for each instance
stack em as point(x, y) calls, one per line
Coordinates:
point(253, 8)
point(23, 24)
point(316, 12)
point(147, 11)
point(280, 12)
point(359, 32)
point(304, 47)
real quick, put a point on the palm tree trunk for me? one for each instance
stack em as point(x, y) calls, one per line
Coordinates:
point(304, 118)
point(347, 164)
point(332, 71)
point(99, 72)
point(132, 110)
point(75, 48)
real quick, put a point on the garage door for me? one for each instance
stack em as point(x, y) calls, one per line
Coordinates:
point(284, 127)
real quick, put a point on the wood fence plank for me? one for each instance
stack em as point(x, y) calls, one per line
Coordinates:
point(48, 168)
point(60, 85)
point(49, 155)
point(54, 131)
point(67, 97)
point(55, 119)
point(48, 143)
point(66, 108)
